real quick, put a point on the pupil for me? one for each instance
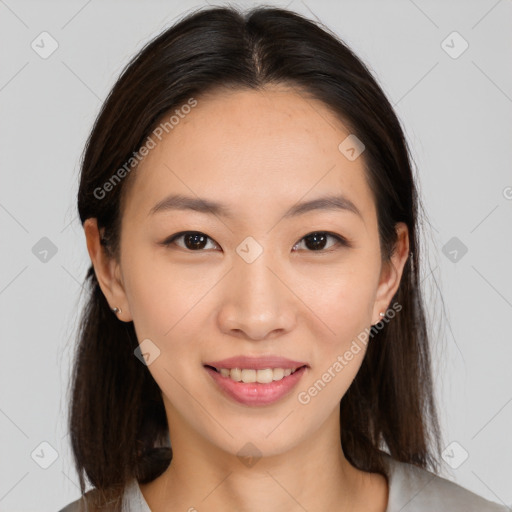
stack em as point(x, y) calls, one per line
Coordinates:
point(317, 241)
point(195, 241)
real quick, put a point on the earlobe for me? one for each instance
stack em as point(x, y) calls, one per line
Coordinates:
point(106, 270)
point(391, 273)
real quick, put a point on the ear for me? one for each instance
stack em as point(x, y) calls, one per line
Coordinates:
point(391, 273)
point(107, 271)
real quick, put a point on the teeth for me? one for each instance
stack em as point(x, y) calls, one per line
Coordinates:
point(235, 374)
point(262, 376)
point(278, 374)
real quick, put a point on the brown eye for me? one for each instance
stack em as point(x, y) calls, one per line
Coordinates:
point(317, 241)
point(193, 241)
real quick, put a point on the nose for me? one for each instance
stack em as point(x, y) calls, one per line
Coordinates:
point(257, 303)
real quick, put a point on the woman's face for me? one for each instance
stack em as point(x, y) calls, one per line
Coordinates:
point(253, 284)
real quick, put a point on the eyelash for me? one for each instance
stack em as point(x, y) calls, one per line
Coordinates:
point(341, 241)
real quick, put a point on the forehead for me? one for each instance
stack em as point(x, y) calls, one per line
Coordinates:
point(248, 148)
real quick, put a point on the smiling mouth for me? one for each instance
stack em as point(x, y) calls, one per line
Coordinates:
point(250, 375)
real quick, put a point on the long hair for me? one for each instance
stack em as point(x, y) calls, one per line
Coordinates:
point(117, 420)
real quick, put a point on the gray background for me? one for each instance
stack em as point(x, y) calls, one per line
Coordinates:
point(457, 117)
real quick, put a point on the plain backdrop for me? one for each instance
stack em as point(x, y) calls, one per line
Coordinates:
point(453, 94)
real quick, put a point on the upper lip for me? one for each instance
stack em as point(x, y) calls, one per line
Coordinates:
point(256, 363)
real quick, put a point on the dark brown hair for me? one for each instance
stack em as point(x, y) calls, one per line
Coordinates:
point(117, 419)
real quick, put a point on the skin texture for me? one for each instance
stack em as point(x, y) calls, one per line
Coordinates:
point(259, 152)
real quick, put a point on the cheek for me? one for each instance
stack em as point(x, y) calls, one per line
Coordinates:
point(342, 299)
point(165, 307)
point(342, 307)
point(170, 306)
point(160, 296)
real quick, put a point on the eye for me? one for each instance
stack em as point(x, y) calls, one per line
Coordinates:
point(317, 240)
point(192, 240)
point(195, 241)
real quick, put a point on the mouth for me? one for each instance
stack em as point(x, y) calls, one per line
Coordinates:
point(255, 387)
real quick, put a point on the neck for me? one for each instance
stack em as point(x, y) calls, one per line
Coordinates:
point(311, 476)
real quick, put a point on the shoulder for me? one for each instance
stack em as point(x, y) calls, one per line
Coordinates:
point(413, 489)
point(87, 503)
point(79, 505)
point(72, 507)
point(131, 501)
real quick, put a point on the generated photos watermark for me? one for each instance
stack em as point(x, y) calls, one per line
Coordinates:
point(358, 343)
point(164, 127)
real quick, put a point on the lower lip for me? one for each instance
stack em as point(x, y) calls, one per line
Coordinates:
point(255, 393)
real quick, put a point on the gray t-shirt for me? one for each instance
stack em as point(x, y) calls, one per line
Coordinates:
point(411, 489)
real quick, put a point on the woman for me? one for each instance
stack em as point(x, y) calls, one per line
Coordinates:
point(254, 337)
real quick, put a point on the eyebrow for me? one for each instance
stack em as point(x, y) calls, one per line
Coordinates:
point(181, 202)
